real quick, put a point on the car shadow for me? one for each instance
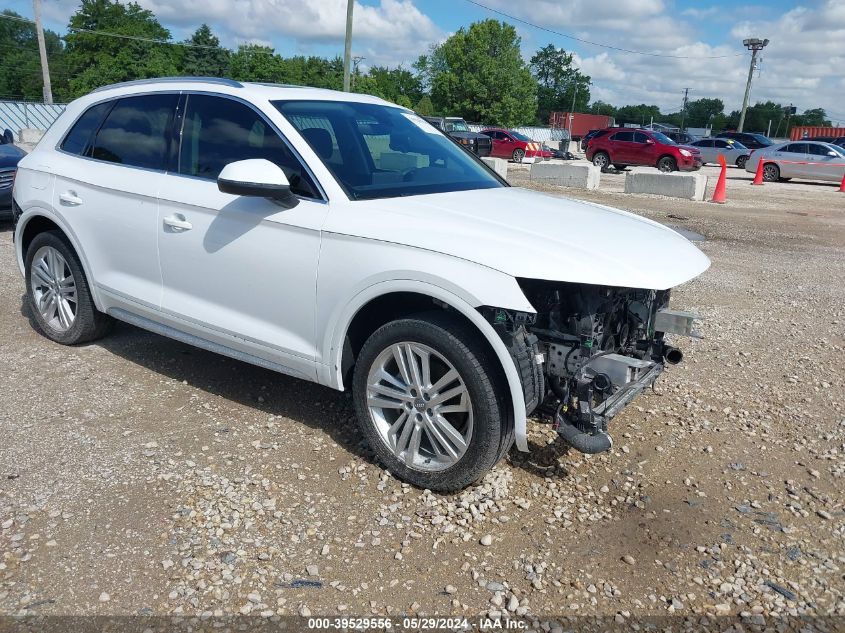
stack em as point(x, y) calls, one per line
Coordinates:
point(261, 390)
point(271, 393)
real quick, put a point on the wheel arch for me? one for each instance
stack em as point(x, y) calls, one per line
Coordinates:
point(38, 220)
point(402, 298)
point(666, 155)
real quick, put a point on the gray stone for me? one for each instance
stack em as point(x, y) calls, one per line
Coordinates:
point(580, 175)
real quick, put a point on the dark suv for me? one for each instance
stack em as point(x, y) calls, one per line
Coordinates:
point(681, 138)
point(457, 128)
point(9, 157)
point(591, 135)
point(626, 146)
point(751, 140)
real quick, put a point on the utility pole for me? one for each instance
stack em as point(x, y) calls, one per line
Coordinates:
point(42, 49)
point(684, 109)
point(355, 61)
point(347, 50)
point(755, 45)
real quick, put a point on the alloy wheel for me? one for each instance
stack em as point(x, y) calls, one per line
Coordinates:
point(420, 406)
point(601, 160)
point(53, 289)
point(518, 155)
point(771, 173)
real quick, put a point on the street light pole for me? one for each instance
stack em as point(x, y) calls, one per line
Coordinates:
point(347, 49)
point(755, 45)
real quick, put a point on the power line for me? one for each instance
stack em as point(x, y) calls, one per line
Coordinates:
point(609, 46)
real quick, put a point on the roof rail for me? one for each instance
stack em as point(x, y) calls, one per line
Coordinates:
point(206, 80)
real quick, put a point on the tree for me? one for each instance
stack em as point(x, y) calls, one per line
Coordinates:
point(252, 62)
point(815, 116)
point(479, 73)
point(640, 114)
point(424, 107)
point(20, 68)
point(94, 59)
point(600, 107)
point(702, 112)
point(558, 82)
point(205, 57)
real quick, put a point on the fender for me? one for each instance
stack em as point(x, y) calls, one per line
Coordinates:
point(330, 373)
point(33, 212)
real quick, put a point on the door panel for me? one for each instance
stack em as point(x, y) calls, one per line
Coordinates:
point(108, 175)
point(242, 269)
point(824, 166)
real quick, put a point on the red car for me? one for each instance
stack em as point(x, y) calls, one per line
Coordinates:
point(626, 146)
point(513, 145)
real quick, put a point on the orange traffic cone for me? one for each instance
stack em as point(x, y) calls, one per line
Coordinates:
point(758, 177)
point(842, 184)
point(719, 193)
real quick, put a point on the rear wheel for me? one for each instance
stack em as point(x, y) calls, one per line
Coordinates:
point(601, 160)
point(667, 164)
point(771, 172)
point(425, 397)
point(518, 155)
point(740, 161)
point(58, 294)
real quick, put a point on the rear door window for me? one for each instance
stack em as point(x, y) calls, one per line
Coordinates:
point(136, 132)
point(795, 148)
point(79, 137)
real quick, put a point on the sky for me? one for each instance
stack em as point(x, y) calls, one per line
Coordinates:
point(803, 64)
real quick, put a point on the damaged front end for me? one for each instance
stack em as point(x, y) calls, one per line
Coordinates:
point(589, 351)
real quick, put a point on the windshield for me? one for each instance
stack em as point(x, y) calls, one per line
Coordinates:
point(378, 151)
point(518, 136)
point(662, 138)
point(459, 126)
point(761, 139)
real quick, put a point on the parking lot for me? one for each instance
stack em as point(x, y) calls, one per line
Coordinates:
point(140, 475)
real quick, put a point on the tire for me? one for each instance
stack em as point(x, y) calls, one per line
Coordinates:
point(518, 155)
point(52, 267)
point(601, 160)
point(620, 167)
point(667, 164)
point(771, 172)
point(740, 161)
point(484, 425)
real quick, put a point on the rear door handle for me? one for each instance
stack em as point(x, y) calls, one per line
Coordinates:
point(70, 198)
point(178, 222)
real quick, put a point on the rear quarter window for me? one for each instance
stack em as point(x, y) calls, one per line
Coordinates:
point(79, 136)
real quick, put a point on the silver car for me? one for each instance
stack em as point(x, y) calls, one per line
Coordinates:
point(799, 159)
point(735, 152)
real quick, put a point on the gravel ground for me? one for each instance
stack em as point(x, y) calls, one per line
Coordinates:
point(140, 475)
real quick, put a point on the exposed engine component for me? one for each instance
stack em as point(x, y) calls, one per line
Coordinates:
point(602, 346)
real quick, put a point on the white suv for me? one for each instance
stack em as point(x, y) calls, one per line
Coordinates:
point(344, 240)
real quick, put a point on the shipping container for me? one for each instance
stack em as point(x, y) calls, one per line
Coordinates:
point(812, 131)
point(580, 123)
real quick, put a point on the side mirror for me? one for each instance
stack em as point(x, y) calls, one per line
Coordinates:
point(257, 177)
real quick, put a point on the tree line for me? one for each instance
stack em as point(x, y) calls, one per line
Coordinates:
point(477, 73)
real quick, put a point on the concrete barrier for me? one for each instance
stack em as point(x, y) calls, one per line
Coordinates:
point(675, 185)
point(580, 175)
point(499, 165)
point(30, 135)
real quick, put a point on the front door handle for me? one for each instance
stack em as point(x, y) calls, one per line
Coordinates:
point(178, 222)
point(70, 198)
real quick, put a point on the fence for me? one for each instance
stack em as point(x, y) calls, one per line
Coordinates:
point(534, 132)
point(17, 115)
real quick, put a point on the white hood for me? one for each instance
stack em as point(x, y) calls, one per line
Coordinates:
point(530, 234)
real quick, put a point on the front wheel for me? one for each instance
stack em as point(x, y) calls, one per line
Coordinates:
point(425, 397)
point(58, 294)
point(518, 155)
point(667, 164)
